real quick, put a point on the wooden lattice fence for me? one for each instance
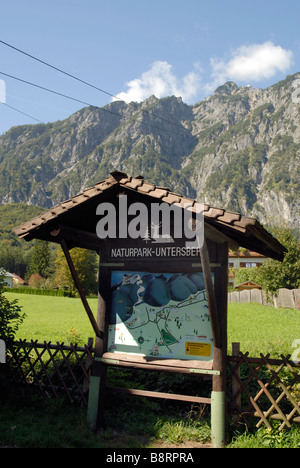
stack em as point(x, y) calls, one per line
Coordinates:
point(265, 388)
point(56, 369)
point(262, 387)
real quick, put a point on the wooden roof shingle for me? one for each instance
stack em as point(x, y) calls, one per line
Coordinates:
point(245, 231)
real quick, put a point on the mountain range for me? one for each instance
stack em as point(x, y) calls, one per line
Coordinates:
point(238, 149)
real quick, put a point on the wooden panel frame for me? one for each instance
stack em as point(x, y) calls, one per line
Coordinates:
point(138, 360)
point(218, 312)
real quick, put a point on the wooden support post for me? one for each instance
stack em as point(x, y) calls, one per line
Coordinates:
point(98, 373)
point(210, 295)
point(217, 311)
point(92, 411)
point(218, 419)
point(235, 382)
point(101, 345)
point(79, 288)
point(218, 402)
point(99, 370)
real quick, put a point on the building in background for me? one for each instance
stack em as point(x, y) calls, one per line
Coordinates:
point(17, 280)
point(243, 258)
point(247, 285)
point(8, 279)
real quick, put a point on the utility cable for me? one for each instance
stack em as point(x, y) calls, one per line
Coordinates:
point(55, 92)
point(83, 102)
point(85, 82)
point(21, 112)
point(58, 69)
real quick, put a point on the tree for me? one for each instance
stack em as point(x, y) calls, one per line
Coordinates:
point(85, 265)
point(12, 259)
point(11, 317)
point(39, 261)
point(243, 274)
point(273, 274)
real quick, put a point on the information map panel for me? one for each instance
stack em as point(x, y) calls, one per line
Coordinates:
point(163, 315)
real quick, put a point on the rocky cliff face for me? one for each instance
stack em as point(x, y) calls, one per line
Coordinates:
point(238, 149)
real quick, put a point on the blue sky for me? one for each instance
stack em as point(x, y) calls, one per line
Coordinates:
point(135, 48)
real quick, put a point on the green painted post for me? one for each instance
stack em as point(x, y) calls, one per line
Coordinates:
point(218, 419)
point(93, 401)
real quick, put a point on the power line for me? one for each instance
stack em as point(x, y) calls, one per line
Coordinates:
point(59, 69)
point(55, 92)
point(21, 112)
point(84, 102)
point(85, 82)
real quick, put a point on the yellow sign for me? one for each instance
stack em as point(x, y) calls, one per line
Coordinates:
point(197, 349)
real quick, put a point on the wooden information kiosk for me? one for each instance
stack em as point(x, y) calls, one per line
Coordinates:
point(162, 297)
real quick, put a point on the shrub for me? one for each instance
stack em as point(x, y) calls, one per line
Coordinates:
point(35, 280)
point(11, 316)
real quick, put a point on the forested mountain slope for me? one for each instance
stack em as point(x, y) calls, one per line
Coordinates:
point(238, 149)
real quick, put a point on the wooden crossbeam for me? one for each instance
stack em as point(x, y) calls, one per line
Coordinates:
point(167, 396)
point(73, 271)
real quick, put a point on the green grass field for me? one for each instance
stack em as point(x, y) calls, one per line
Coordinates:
point(263, 329)
point(259, 329)
point(50, 318)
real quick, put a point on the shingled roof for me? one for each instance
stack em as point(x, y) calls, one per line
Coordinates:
point(245, 231)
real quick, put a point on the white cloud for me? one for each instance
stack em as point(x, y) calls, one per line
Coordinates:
point(252, 63)
point(161, 81)
point(247, 64)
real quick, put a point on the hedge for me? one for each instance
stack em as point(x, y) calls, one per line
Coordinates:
point(41, 292)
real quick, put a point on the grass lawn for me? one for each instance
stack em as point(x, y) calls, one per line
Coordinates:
point(263, 329)
point(50, 318)
point(259, 329)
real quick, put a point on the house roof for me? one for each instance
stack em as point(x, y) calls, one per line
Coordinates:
point(245, 254)
point(245, 231)
point(248, 285)
point(8, 275)
point(17, 277)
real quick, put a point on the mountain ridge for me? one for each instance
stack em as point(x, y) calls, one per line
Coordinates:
point(238, 149)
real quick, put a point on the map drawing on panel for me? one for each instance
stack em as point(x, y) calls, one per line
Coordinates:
point(162, 315)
